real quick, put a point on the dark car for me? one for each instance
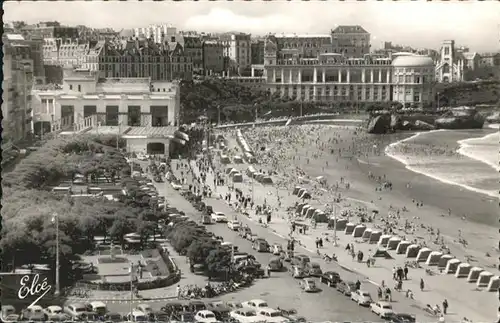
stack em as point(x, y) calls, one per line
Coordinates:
point(401, 318)
point(196, 306)
point(174, 307)
point(159, 316)
point(113, 317)
point(346, 287)
point(221, 312)
point(183, 317)
point(331, 278)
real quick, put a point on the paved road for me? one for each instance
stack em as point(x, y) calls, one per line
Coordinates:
point(281, 289)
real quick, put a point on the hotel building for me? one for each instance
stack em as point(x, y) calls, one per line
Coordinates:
point(332, 77)
point(238, 50)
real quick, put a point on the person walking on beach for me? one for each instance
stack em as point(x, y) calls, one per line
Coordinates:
point(445, 306)
point(406, 272)
point(178, 290)
point(422, 285)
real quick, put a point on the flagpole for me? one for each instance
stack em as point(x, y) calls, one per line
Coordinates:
point(55, 219)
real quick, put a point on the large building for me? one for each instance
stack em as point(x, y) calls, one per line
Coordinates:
point(450, 66)
point(350, 41)
point(238, 50)
point(257, 51)
point(157, 32)
point(51, 30)
point(193, 47)
point(213, 57)
point(18, 68)
point(65, 52)
point(144, 58)
point(304, 45)
point(332, 77)
point(135, 107)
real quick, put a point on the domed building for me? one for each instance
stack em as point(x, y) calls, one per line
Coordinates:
point(412, 78)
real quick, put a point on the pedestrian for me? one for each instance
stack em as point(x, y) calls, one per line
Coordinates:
point(394, 271)
point(422, 285)
point(445, 306)
point(379, 293)
point(178, 289)
point(406, 272)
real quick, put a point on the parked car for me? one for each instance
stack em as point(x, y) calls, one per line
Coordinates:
point(206, 219)
point(300, 259)
point(255, 303)
point(244, 231)
point(276, 264)
point(309, 285)
point(137, 316)
point(382, 309)
point(174, 307)
point(113, 317)
point(346, 288)
point(159, 316)
point(244, 315)
point(297, 272)
point(9, 313)
point(176, 186)
point(55, 313)
point(145, 308)
point(292, 315)
point(233, 225)
point(401, 318)
point(331, 278)
point(234, 305)
point(33, 313)
point(196, 306)
point(314, 269)
point(75, 310)
point(187, 317)
point(219, 217)
point(361, 297)
point(221, 311)
point(260, 245)
point(270, 315)
point(205, 316)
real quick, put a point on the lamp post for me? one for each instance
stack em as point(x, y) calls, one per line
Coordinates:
point(218, 115)
point(131, 271)
point(55, 220)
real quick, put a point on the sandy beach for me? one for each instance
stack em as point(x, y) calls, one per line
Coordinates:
point(346, 155)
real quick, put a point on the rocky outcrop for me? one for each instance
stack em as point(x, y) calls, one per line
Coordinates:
point(396, 122)
point(460, 118)
point(493, 118)
point(379, 124)
point(420, 125)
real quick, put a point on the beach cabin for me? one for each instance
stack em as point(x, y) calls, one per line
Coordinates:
point(305, 209)
point(423, 254)
point(299, 207)
point(452, 266)
point(349, 228)
point(228, 170)
point(403, 247)
point(237, 178)
point(494, 284)
point(305, 195)
point(233, 171)
point(301, 191)
point(321, 180)
point(341, 224)
point(310, 212)
point(358, 231)
point(393, 243)
point(366, 234)
point(412, 251)
point(463, 270)
point(375, 236)
point(224, 159)
point(484, 279)
point(474, 274)
point(237, 160)
point(296, 190)
point(384, 241)
point(250, 171)
point(433, 259)
point(443, 261)
point(267, 180)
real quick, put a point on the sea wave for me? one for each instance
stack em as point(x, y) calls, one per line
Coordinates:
point(450, 169)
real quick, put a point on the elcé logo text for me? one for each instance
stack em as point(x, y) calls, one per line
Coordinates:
point(33, 288)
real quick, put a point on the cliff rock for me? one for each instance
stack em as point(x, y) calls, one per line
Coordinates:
point(420, 125)
point(460, 118)
point(493, 118)
point(380, 124)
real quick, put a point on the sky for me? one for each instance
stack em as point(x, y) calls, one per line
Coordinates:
point(419, 24)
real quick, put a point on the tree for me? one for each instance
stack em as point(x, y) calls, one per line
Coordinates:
point(218, 261)
point(199, 250)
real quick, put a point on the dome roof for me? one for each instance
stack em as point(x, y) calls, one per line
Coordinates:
point(412, 60)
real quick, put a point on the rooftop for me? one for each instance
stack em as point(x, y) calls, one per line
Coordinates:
point(14, 37)
point(349, 29)
point(412, 61)
point(302, 35)
point(151, 131)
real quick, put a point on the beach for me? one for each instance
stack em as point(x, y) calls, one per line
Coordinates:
point(345, 154)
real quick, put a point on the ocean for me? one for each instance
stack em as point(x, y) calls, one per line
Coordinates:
point(465, 158)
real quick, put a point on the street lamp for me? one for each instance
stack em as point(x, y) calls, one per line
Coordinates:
point(55, 220)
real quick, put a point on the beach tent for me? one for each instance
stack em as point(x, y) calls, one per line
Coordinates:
point(402, 247)
point(237, 160)
point(384, 240)
point(181, 135)
point(228, 170)
point(300, 206)
point(494, 284)
point(375, 236)
point(296, 190)
point(320, 217)
point(267, 180)
point(433, 259)
point(412, 251)
point(443, 261)
point(321, 180)
point(349, 228)
point(250, 158)
point(237, 178)
point(310, 212)
point(358, 231)
point(463, 270)
point(341, 223)
point(301, 190)
point(366, 234)
point(452, 266)
point(381, 252)
point(233, 171)
point(474, 274)
point(393, 243)
point(423, 254)
point(305, 195)
point(305, 209)
point(225, 159)
point(484, 279)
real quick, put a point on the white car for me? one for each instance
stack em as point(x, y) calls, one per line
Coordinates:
point(219, 217)
point(270, 315)
point(233, 225)
point(245, 315)
point(205, 317)
point(176, 186)
point(255, 304)
point(382, 309)
point(145, 308)
point(142, 157)
point(362, 297)
point(55, 312)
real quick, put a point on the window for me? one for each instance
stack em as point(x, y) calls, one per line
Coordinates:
point(71, 86)
point(79, 88)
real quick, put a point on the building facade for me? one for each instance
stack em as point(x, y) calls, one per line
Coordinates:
point(85, 100)
point(238, 50)
point(65, 52)
point(351, 41)
point(193, 48)
point(413, 79)
point(17, 84)
point(451, 63)
point(332, 77)
point(213, 57)
point(489, 60)
point(304, 45)
point(144, 58)
point(48, 30)
point(257, 50)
